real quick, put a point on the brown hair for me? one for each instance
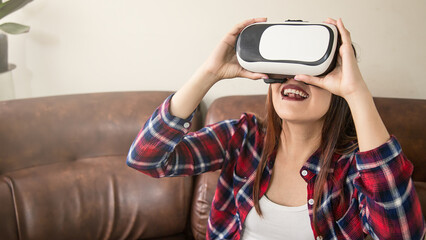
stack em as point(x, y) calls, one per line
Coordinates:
point(338, 136)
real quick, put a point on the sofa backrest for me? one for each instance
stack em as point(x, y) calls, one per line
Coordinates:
point(63, 172)
point(405, 118)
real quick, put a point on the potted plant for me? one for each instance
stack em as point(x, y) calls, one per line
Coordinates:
point(6, 8)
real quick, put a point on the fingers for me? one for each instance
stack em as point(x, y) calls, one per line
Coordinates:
point(346, 42)
point(261, 19)
point(240, 26)
point(331, 21)
point(252, 75)
point(316, 81)
point(345, 34)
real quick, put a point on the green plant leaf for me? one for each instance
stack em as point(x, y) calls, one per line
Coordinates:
point(10, 6)
point(14, 28)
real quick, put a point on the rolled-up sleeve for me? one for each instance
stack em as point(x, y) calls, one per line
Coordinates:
point(390, 208)
point(165, 147)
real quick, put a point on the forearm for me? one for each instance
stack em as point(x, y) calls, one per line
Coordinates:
point(166, 147)
point(222, 64)
point(186, 99)
point(370, 129)
point(390, 205)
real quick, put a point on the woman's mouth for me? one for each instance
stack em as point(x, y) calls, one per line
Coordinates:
point(293, 93)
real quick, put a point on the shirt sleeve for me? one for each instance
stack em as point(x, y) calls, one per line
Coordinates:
point(165, 147)
point(390, 208)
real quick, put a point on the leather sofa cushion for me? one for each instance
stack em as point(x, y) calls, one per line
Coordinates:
point(8, 226)
point(204, 189)
point(63, 172)
point(64, 128)
point(97, 198)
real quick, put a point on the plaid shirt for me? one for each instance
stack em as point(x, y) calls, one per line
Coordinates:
point(379, 197)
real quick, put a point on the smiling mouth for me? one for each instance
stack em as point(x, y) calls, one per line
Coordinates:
point(294, 94)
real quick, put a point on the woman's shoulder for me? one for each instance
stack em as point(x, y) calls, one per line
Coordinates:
point(247, 126)
point(246, 119)
point(251, 121)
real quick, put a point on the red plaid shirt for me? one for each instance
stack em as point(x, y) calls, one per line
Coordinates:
point(379, 196)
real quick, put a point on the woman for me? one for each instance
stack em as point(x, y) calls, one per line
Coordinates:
point(301, 174)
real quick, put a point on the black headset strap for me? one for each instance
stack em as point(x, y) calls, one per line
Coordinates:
point(275, 80)
point(278, 80)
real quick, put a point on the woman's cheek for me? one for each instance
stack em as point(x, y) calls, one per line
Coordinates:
point(322, 101)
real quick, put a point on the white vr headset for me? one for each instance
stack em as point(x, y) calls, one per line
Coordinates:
point(289, 48)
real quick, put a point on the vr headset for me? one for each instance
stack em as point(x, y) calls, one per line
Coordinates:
point(289, 48)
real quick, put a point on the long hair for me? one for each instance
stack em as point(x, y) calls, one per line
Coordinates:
point(338, 136)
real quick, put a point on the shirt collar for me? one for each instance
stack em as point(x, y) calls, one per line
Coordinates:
point(313, 163)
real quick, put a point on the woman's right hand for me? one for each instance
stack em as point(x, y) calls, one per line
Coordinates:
point(222, 63)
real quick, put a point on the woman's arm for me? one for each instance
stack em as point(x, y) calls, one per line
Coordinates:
point(389, 204)
point(371, 131)
point(164, 147)
point(221, 64)
point(346, 81)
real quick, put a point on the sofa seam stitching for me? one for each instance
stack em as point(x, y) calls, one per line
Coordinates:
point(12, 189)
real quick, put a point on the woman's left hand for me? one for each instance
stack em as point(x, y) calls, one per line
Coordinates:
point(346, 79)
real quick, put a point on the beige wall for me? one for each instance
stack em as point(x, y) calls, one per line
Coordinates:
point(79, 46)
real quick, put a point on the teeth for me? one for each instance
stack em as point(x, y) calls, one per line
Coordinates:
point(294, 91)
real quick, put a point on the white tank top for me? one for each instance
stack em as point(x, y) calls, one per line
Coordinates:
point(278, 222)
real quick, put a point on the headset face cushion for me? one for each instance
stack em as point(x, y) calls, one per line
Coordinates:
point(288, 48)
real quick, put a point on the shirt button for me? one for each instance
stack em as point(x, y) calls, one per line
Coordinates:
point(186, 125)
point(304, 173)
point(319, 238)
point(311, 201)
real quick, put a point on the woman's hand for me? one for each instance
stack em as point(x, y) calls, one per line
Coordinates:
point(223, 63)
point(346, 79)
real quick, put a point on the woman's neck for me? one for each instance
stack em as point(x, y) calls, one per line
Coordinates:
point(300, 140)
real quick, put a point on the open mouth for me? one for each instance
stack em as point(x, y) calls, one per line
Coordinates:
point(295, 93)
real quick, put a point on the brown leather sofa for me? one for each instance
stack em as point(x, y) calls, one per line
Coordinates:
point(63, 173)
